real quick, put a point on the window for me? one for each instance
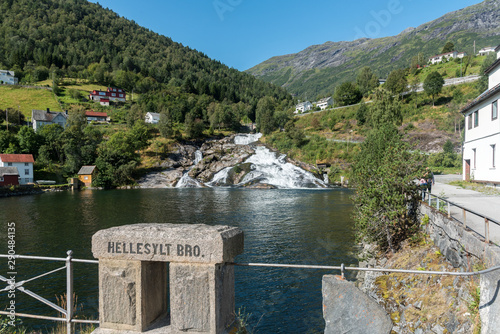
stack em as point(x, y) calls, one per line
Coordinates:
point(1, 178)
point(476, 118)
point(474, 152)
point(494, 110)
point(493, 155)
point(26, 164)
point(85, 177)
point(9, 164)
point(469, 122)
point(26, 172)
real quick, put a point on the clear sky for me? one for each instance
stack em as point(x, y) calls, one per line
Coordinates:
point(243, 33)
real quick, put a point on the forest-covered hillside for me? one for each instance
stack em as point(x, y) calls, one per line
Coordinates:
point(42, 39)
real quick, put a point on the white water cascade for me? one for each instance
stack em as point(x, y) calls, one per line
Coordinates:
point(267, 167)
point(187, 181)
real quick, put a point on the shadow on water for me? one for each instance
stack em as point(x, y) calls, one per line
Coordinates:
point(281, 226)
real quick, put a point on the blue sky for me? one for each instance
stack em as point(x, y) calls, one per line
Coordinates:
point(243, 33)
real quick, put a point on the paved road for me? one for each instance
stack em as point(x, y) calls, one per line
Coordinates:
point(487, 205)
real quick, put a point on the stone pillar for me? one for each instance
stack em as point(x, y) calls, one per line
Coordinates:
point(145, 268)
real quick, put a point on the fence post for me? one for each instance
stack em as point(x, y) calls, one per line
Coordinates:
point(437, 203)
point(487, 230)
point(465, 217)
point(449, 209)
point(430, 199)
point(69, 292)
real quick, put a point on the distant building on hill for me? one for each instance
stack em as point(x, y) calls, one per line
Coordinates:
point(96, 116)
point(482, 131)
point(487, 50)
point(324, 103)
point(152, 118)
point(8, 77)
point(453, 54)
point(303, 107)
point(111, 94)
point(40, 118)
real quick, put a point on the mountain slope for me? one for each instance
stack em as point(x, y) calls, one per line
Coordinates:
point(319, 68)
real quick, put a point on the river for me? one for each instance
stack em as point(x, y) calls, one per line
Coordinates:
point(280, 226)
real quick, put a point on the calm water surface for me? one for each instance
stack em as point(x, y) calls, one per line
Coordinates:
point(281, 226)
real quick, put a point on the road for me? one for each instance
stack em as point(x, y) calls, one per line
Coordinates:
point(487, 205)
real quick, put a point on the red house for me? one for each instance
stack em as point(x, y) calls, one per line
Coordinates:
point(112, 94)
point(96, 116)
point(9, 176)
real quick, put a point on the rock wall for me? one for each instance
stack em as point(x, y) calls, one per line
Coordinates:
point(463, 248)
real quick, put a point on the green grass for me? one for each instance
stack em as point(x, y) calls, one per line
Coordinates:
point(27, 99)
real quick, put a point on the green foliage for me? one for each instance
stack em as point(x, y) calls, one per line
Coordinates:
point(448, 47)
point(386, 194)
point(362, 114)
point(396, 81)
point(447, 158)
point(433, 84)
point(264, 115)
point(366, 80)
point(482, 83)
point(347, 94)
point(386, 109)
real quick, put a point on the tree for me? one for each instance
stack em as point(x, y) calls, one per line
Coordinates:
point(448, 47)
point(347, 94)
point(396, 82)
point(366, 80)
point(387, 195)
point(482, 83)
point(386, 109)
point(433, 85)
point(362, 114)
point(166, 125)
point(264, 115)
point(29, 141)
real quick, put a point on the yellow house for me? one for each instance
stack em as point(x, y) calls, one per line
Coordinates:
point(85, 175)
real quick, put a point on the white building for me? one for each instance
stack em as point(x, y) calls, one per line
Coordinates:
point(324, 103)
point(303, 107)
point(23, 163)
point(439, 58)
point(41, 118)
point(7, 77)
point(482, 131)
point(152, 118)
point(486, 50)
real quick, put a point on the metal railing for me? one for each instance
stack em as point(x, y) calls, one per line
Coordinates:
point(68, 312)
point(441, 203)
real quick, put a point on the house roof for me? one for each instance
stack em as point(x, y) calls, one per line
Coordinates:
point(481, 98)
point(493, 66)
point(444, 54)
point(8, 171)
point(303, 104)
point(86, 170)
point(154, 114)
point(497, 48)
point(45, 116)
point(17, 158)
point(323, 100)
point(95, 113)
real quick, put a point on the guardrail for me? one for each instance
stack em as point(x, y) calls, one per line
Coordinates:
point(441, 202)
point(68, 312)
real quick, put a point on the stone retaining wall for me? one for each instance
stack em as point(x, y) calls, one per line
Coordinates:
point(463, 248)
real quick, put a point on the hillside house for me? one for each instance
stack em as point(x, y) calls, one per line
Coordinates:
point(9, 176)
point(111, 94)
point(8, 77)
point(96, 116)
point(439, 58)
point(487, 50)
point(482, 131)
point(40, 118)
point(104, 102)
point(303, 107)
point(23, 163)
point(324, 103)
point(86, 173)
point(152, 118)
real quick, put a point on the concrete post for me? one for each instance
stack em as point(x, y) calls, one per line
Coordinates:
point(145, 268)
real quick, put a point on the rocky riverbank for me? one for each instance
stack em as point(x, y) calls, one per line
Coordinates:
point(20, 191)
point(422, 304)
point(227, 162)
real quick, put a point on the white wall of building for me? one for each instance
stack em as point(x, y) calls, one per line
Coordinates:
point(482, 144)
point(494, 78)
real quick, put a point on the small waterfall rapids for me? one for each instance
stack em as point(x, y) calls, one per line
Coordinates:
point(187, 181)
point(269, 168)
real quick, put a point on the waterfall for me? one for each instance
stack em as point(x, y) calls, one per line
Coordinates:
point(187, 181)
point(247, 139)
point(271, 168)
